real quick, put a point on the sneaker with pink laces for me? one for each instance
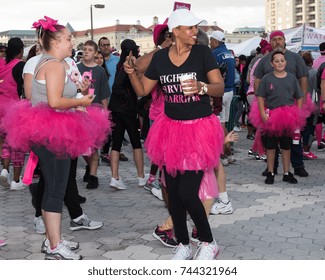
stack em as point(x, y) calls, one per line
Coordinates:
point(2, 242)
point(309, 155)
point(207, 251)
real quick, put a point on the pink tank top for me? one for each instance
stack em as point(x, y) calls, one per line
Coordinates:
point(8, 85)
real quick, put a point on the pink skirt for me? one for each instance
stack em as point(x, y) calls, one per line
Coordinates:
point(283, 121)
point(64, 133)
point(185, 145)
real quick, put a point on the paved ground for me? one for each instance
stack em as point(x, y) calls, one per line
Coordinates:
point(280, 221)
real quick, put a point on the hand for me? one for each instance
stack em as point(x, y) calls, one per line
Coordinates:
point(264, 117)
point(167, 43)
point(129, 64)
point(86, 100)
point(84, 86)
point(190, 87)
point(232, 136)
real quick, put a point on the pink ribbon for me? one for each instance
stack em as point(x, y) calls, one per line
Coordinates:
point(46, 24)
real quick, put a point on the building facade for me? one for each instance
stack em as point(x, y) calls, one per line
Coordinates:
point(284, 14)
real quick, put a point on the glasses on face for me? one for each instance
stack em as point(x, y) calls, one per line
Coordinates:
point(105, 45)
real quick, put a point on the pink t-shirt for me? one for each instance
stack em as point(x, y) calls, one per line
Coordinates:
point(318, 61)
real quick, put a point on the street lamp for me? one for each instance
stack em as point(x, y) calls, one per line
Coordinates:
point(98, 6)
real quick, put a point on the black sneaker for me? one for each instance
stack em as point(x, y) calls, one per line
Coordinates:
point(87, 174)
point(93, 182)
point(301, 171)
point(269, 178)
point(289, 178)
point(321, 147)
point(82, 199)
point(264, 173)
point(250, 137)
point(166, 237)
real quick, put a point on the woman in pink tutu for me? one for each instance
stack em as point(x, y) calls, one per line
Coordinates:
point(57, 127)
point(279, 116)
point(187, 139)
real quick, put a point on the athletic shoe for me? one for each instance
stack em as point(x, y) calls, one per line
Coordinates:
point(82, 199)
point(117, 184)
point(39, 225)
point(237, 128)
point(207, 251)
point(269, 178)
point(220, 207)
point(251, 153)
point(71, 245)
point(224, 161)
point(143, 181)
point(182, 252)
point(231, 159)
point(157, 193)
point(309, 155)
point(2, 242)
point(289, 178)
point(250, 137)
point(195, 236)
point(262, 157)
point(166, 237)
point(14, 186)
point(301, 171)
point(266, 171)
point(87, 174)
point(61, 252)
point(321, 147)
point(150, 185)
point(123, 157)
point(92, 183)
point(4, 178)
point(105, 158)
point(85, 223)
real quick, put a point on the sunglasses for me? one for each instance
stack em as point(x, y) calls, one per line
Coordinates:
point(105, 45)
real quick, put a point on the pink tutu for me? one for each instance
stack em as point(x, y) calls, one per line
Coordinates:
point(308, 107)
point(64, 133)
point(283, 121)
point(209, 186)
point(185, 145)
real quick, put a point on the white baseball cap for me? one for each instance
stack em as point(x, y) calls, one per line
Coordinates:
point(183, 17)
point(218, 35)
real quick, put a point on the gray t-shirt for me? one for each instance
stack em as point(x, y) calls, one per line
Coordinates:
point(295, 65)
point(279, 91)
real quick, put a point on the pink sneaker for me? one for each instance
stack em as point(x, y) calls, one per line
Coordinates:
point(2, 243)
point(309, 155)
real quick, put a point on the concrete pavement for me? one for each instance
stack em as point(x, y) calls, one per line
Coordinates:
point(278, 222)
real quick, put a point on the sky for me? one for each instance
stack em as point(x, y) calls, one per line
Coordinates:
point(229, 14)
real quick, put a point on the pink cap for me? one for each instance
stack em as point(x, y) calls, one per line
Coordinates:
point(276, 33)
point(158, 29)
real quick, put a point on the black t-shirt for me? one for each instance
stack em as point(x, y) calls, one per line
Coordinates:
point(178, 106)
point(17, 72)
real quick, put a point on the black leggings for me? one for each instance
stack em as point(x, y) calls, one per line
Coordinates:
point(56, 175)
point(183, 197)
point(123, 122)
point(71, 198)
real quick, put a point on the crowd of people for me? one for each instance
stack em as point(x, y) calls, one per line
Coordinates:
point(196, 94)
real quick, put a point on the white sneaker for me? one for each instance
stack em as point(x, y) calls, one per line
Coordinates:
point(17, 186)
point(117, 184)
point(207, 251)
point(143, 181)
point(39, 225)
point(84, 222)
point(157, 193)
point(219, 207)
point(61, 252)
point(182, 252)
point(237, 128)
point(69, 244)
point(4, 178)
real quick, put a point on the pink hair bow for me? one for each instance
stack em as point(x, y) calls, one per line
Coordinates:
point(46, 24)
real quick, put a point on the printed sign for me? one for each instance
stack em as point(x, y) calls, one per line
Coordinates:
point(181, 5)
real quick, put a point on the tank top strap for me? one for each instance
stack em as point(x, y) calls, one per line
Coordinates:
point(43, 61)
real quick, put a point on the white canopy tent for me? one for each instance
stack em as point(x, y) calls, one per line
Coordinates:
point(245, 47)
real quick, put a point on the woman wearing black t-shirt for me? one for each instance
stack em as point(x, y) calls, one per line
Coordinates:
point(187, 139)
